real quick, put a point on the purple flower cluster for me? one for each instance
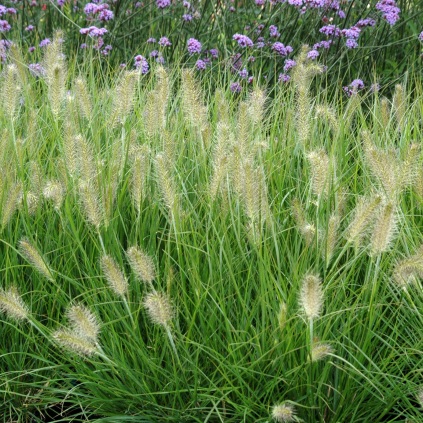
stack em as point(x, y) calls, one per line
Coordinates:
point(273, 31)
point(7, 10)
point(322, 44)
point(282, 49)
point(93, 31)
point(421, 36)
point(243, 40)
point(164, 42)
point(289, 64)
point(352, 88)
point(162, 4)
point(194, 46)
point(330, 31)
point(4, 26)
point(390, 10)
point(45, 42)
point(37, 69)
point(100, 11)
point(140, 62)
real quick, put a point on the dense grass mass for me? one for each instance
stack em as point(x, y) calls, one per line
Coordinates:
point(175, 254)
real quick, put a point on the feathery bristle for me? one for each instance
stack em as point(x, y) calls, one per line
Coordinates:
point(12, 304)
point(83, 97)
point(10, 90)
point(124, 97)
point(142, 264)
point(256, 102)
point(159, 308)
point(10, 205)
point(385, 112)
point(91, 204)
point(282, 315)
point(54, 191)
point(114, 276)
point(319, 166)
point(75, 342)
point(31, 254)
point(166, 183)
point(384, 229)
point(410, 166)
point(364, 214)
point(307, 230)
point(84, 322)
point(328, 114)
point(408, 270)
point(331, 236)
point(320, 350)
point(399, 105)
point(311, 296)
point(140, 168)
point(284, 413)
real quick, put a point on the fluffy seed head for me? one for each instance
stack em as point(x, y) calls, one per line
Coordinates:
point(420, 397)
point(311, 296)
point(159, 308)
point(319, 351)
point(54, 191)
point(31, 254)
point(319, 166)
point(74, 342)
point(408, 270)
point(84, 322)
point(383, 230)
point(12, 304)
point(283, 413)
point(142, 264)
point(114, 276)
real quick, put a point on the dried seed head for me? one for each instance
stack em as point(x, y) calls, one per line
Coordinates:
point(384, 229)
point(31, 254)
point(114, 275)
point(12, 304)
point(319, 351)
point(84, 322)
point(420, 397)
point(311, 296)
point(83, 97)
point(166, 183)
point(13, 198)
point(91, 205)
point(283, 413)
point(142, 264)
point(74, 342)
point(54, 191)
point(159, 308)
point(319, 165)
point(408, 270)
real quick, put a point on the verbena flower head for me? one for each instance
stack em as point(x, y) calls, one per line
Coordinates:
point(282, 49)
point(283, 77)
point(36, 69)
point(162, 4)
point(235, 87)
point(330, 31)
point(200, 64)
point(313, 54)
point(283, 413)
point(29, 28)
point(164, 42)
point(140, 62)
point(194, 46)
point(186, 17)
point(289, 64)
point(243, 40)
point(390, 11)
point(273, 31)
point(4, 26)
point(93, 31)
point(421, 36)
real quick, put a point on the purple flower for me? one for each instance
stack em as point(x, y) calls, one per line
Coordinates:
point(154, 53)
point(31, 49)
point(4, 26)
point(236, 62)
point(45, 42)
point(187, 17)
point(29, 28)
point(330, 31)
point(60, 3)
point(232, 9)
point(243, 40)
point(322, 44)
point(235, 87)
point(351, 43)
point(357, 84)
point(365, 22)
point(83, 45)
point(297, 3)
point(421, 36)
point(164, 42)
point(93, 31)
point(289, 64)
point(273, 30)
point(140, 62)
point(282, 49)
point(11, 11)
point(313, 54)
point(162, 4)
point(390, 10)
point(151, 41)
point(122, 65)
point(243, 73)
point(3, 10)
point(186, 4)
point(194, 46)
point(106, 15)
point(214, 53)
point(90, 8)
point(353, 32)
point(283, 77)
point(260, 2)
point(200, 64)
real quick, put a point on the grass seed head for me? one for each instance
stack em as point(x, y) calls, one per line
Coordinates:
point(159, 308)
point(84, 322)
point(311, 296)
point(283, 413)
point(74, 342)
point(142, 264)
point(12, 304)
point(320, 350)
point(31, 254)
point(114, 275)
